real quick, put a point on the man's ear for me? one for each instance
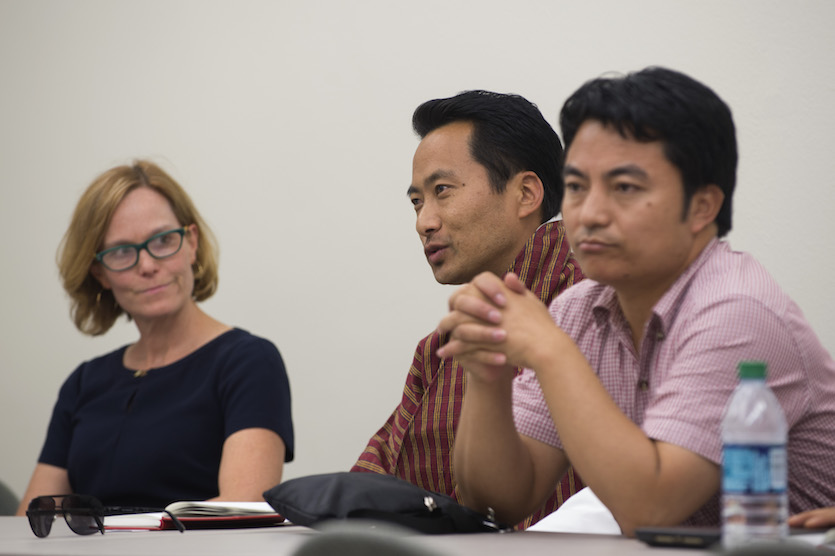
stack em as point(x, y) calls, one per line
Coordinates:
point(704, 206)
point(99, 274)
point(530, 193)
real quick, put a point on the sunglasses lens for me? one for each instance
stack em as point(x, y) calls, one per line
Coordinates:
point(41, 514)
point(81, 514)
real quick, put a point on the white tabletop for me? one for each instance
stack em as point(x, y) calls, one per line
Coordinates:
point(16, 538)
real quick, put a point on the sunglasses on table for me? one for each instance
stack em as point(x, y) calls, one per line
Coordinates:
point(83, 514)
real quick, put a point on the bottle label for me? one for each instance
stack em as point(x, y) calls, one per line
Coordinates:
point(754, 469)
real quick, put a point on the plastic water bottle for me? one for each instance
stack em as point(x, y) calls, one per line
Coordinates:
point(754, 462)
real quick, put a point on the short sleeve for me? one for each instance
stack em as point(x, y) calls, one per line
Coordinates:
point(255, 391)
point(59, 434)
point(530, 412)
point(687, 407)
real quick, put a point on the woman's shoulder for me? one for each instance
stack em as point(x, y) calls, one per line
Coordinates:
point(235, 356)
point(93, 371)
point(108, 360)
point(238, 337)
point(238, 343)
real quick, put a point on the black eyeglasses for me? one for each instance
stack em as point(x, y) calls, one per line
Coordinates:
point(160, 246)
point(83, 514)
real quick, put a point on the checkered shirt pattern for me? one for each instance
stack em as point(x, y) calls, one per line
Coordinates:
point(723, 309)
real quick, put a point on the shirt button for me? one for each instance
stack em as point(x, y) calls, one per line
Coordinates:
point(659, 335)
point(643, 385)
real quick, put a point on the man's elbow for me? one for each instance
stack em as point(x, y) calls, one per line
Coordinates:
point(498, 507)
point(631, 518)
point(628, 525)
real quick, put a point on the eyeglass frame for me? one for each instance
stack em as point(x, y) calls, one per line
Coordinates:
point(138, 247)
point(91, 507)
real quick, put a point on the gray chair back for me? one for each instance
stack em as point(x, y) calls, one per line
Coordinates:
point(8, 500)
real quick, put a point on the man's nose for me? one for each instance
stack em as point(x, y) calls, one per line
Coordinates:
point(428, 220)
point(595, 210)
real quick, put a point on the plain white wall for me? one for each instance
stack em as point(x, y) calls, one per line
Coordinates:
point(289, 123)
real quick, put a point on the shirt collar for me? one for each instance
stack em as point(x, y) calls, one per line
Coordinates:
point(556, 218)
point(606, 306)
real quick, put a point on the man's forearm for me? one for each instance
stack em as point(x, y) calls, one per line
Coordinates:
point(491, 465)
point(643, 482)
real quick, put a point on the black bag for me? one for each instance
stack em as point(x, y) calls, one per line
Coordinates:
point(371, 496)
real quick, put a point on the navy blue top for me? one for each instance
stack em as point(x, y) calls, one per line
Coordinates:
point(156, 439)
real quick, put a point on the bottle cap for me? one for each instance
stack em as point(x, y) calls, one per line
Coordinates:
point(752, 369)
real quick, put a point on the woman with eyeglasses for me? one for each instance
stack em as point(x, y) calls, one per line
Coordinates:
point(194, 409)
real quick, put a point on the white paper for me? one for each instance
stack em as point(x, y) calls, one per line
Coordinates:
point(150, 520)
point(581, 513)
point(213, 508)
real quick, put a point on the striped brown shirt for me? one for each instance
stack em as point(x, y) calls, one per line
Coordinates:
point(416, 442)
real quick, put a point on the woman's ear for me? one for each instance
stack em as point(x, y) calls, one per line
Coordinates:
point(100, 275)
point(193, 238)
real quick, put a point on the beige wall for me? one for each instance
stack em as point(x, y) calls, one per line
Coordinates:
point(289, 123)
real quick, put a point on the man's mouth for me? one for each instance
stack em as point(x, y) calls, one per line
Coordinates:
point(434, 252)
point(592, 245)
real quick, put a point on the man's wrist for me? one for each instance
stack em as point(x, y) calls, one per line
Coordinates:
point(489, 376)
point(548, 351)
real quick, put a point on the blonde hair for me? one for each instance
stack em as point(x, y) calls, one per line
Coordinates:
point(93, 308)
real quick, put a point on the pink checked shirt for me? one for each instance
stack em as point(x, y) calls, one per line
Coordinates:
point(724, 309)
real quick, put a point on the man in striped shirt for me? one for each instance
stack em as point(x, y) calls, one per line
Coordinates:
point(486, 188)
point(628, 376)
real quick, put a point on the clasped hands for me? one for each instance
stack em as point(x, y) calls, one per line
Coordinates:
point(495, 325)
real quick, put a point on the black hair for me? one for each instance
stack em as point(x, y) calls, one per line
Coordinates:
point(510, 135)
point(658, 104)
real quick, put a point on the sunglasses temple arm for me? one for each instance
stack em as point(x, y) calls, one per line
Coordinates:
point(177, 523)
point(99, 523)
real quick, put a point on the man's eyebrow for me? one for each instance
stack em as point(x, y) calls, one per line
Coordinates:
point(438, 175)
point(625, 170)
point(569, 170)
point(431, 178)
